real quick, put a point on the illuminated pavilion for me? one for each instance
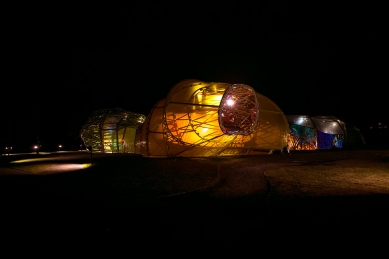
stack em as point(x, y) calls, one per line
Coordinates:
point(316, 132)
point(112, 131)
point(202, 119)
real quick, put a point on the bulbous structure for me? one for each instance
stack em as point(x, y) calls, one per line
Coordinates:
point(212, 119)
point(112, 131)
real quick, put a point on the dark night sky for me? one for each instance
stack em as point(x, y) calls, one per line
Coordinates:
point(64, 62)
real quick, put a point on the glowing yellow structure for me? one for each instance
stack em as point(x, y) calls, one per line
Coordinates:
point(112, 131)
point(200, 119)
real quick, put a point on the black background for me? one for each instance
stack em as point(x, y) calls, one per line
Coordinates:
point(62, 62)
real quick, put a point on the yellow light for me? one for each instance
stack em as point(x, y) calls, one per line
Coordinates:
point(200, 97)
point(218, 97)
point(86, 165)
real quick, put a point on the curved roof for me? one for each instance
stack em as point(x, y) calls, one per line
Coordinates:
point(107, 129)
point(210, 118)
point(325, 124)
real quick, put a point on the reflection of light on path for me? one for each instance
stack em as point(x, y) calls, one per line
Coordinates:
point(44, 169)
point(64, 168)
point(40, 166)
point(31, 160)
point(69, 167)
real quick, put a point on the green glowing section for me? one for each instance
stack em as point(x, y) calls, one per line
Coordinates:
point(112, 130)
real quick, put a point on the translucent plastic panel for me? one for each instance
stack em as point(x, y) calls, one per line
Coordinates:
point(302, 120)
point(329, 125)
point(194, 126)
point(329, 141)
point(197, 92)
point(271, 132)
point(127, 143)
point(238, 111)
point(110, 141)
point(153, 140)
point(303, 138)
point(209, 94)
point(212, 119)
point(105, 129)
point(264, 103)
point(110, 123)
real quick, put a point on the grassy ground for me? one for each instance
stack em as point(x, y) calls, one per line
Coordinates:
point(187, 200)
point(115, 175)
